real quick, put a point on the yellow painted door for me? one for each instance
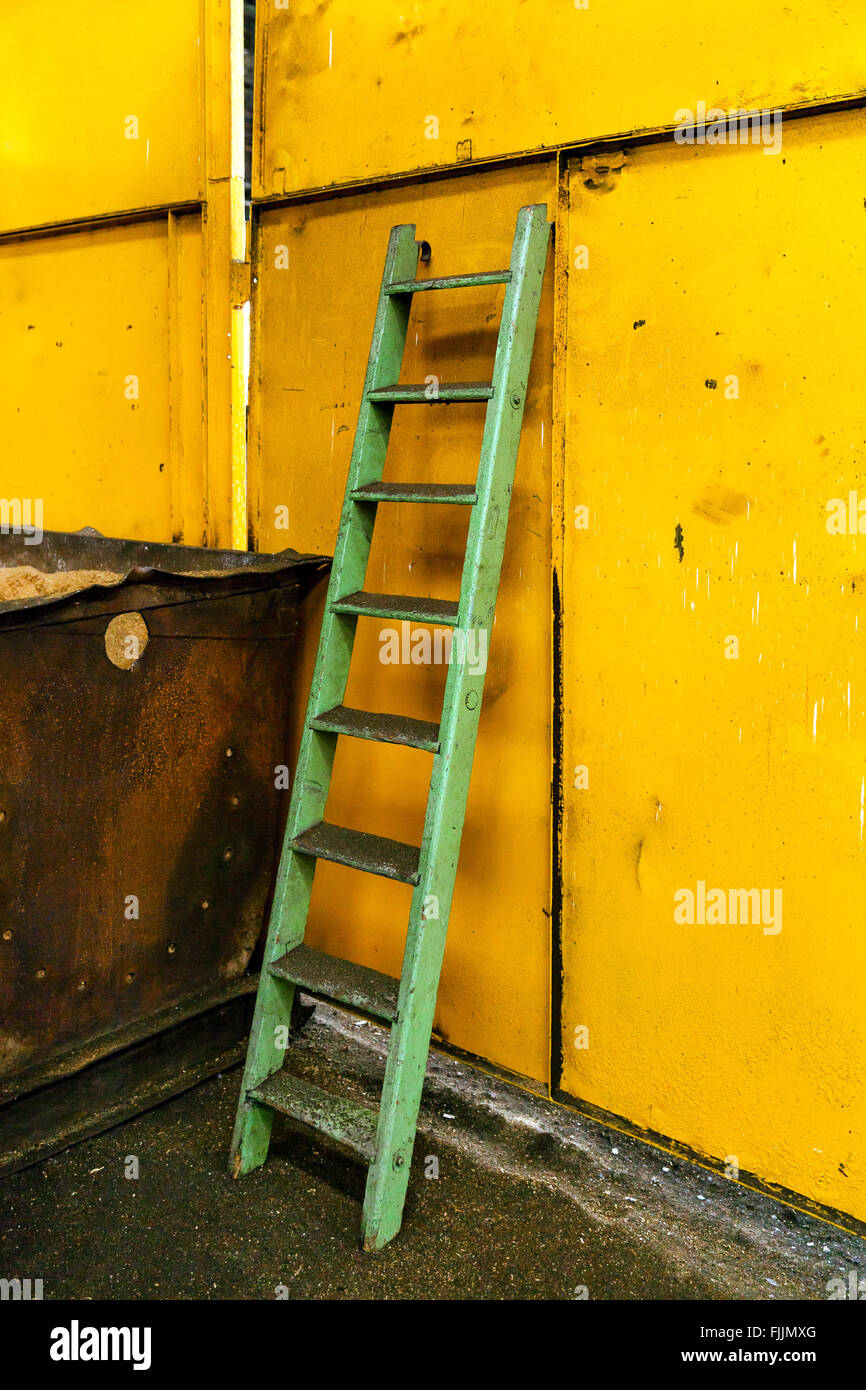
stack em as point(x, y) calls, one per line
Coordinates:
point(714, 671)
point(318, 268)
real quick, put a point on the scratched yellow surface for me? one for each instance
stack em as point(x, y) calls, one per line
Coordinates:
point(707, 265)
point(356, 92)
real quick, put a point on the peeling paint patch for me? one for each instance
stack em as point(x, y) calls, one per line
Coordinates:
point(601, 172)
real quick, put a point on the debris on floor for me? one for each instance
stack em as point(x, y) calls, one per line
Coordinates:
point(511, 1196)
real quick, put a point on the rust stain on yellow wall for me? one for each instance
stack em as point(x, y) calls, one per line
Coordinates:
point(714, 676)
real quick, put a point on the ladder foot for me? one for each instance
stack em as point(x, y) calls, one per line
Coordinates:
point(239, 1165)
point(384, 1198)
point(251, 1140)
point(377, 1236)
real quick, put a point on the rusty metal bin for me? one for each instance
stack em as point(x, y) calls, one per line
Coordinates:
point(141, 811)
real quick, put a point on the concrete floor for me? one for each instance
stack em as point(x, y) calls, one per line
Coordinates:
point(531, 1201)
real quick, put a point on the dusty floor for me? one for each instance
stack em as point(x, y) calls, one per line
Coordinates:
point(531, 1201)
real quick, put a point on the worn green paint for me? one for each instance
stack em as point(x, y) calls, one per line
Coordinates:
point(459, 493)
point(455, 743)
point(432, 395)
point(399, 606)
point(451, 282)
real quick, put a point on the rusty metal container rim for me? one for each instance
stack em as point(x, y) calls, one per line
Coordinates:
point(189, 571)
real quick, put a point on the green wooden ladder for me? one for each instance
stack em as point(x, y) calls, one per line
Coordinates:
point(385, 1139)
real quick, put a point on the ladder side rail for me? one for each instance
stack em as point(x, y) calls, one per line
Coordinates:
point(452, 765)
point(294, 883)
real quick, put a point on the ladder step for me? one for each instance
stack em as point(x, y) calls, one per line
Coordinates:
point(400, 607)
point(450, 282)
point(342, 981)
point(464, 494)
point(382, 728)
point(342, 1120)
point(374, 854)
point(453, 391)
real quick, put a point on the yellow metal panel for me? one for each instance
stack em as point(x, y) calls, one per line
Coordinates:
point(319, 268)
point(715, 349)
point(353, 92)
point(100, 108)
point(107, 109)
point(101, 363)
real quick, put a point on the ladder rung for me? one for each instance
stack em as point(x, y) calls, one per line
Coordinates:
point(374, 854)
point(452, 391)
point(450, 282)
point(382, 728)
point(461, 493)
point(342, 1120)
point(400, 607)
point(342, 981)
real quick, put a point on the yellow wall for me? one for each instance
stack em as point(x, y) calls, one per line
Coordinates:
point(704, 263)
point(350, 92)
point(76, 436)
point(107, 110)
point(71, 82)
point(739, 771)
